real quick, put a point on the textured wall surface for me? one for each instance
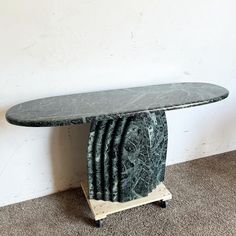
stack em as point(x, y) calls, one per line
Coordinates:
point(59, 47)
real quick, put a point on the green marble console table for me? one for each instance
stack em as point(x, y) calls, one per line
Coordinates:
point(128, 134)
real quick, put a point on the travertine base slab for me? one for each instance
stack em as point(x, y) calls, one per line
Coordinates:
point(101, 209)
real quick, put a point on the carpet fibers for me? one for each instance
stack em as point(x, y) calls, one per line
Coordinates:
point(204, 203)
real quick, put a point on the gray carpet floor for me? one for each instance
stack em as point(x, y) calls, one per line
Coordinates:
point(204, 203)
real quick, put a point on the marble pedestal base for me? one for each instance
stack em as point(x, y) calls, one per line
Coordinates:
point(126, 156)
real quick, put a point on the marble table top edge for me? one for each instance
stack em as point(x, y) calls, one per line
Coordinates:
point(59, 119)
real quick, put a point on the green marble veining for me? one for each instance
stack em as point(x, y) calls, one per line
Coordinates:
point(126, 156)
point(112, 104)
point(128, 135)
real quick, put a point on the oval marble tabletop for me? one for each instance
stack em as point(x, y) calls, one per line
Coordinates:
point(83, 107)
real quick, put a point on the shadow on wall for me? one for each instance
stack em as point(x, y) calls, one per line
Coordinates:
point(68, 156)
point(3, 121)
point(222, 133)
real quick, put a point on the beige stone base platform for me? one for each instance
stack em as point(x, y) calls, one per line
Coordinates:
point(101, 209)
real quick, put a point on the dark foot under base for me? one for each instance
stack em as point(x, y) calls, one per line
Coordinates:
point(99, 223)
point(163, 204)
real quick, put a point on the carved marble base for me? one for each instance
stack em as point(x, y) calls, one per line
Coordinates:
point(126, 156)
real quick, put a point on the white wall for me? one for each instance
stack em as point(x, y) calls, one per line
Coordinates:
point(59, 47)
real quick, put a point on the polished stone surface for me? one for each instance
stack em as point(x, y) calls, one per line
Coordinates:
point(128, 134)
point(127, 156)
point(82, 108)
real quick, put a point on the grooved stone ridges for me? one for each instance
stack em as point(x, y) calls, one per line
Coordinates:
point(126, 156)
